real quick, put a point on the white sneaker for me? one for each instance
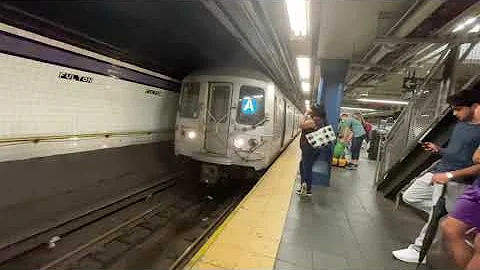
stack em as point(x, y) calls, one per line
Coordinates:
point(408, 255)
point(302, 190)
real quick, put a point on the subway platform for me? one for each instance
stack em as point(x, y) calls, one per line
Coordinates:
point(346, 226)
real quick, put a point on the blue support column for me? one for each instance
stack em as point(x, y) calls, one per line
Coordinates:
point(330, 94)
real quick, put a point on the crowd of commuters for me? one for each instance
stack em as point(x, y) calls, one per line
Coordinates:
point(458, 172)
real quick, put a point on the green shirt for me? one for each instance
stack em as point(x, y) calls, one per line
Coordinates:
point(356, 127)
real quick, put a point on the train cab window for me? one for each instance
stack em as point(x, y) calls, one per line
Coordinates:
point(189, 100)
point(251, 105)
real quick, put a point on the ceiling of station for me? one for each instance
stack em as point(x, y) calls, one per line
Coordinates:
point(169, 36)
point(177, 37)
point(351, 30)
point(347, 28)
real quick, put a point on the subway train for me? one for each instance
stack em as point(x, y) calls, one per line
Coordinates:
point(235, 122)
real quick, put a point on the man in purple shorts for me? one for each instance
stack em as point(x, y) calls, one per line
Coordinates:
point(465, 215)
point(462, 145)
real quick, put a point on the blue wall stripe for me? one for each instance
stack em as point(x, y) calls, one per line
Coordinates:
point(19, 46)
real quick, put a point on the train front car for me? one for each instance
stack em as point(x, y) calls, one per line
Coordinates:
point(224, 121)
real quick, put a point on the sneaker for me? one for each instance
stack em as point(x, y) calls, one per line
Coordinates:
point(408, 255)
point(302, 190)
point(308, 193)
point(351, 166)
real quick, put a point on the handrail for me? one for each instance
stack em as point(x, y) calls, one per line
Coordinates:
point(36, 139)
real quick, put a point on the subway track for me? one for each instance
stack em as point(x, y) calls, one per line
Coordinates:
point(160, 227)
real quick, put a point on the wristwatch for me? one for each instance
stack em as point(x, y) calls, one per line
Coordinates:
point(449, 175)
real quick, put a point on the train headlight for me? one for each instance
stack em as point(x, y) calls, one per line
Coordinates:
point(239, 142)
point(191, 134)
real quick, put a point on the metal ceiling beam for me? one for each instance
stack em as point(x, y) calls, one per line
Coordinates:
point(380, 72)
point(369, 65)
point(467, 52)
point(458, 40)
point(361, 85)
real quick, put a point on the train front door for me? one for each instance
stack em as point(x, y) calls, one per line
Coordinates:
point(218, 118)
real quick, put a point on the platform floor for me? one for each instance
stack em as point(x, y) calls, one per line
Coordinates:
point(346, 226)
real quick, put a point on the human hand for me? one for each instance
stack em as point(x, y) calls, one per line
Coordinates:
point(440, 178)
point(431, 147)
point(309, 123)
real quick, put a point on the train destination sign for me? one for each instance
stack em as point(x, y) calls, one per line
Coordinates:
point(249, 106)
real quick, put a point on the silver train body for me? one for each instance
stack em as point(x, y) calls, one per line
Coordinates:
point(233, 119)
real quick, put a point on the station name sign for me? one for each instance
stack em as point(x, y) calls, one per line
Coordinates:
point(153, 92)
point(74, 77)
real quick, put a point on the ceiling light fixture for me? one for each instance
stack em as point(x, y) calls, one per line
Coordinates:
point(470, 21)
point(458, 28)
point(475, 29)
point(297, 15)
point(358, 109)
point(466, 23)
point(384, 101)
point(305, 87)
point(303, 64)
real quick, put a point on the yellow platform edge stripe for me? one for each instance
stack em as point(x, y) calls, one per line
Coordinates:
point(220, 228)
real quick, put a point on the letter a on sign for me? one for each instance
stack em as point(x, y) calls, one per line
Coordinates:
point(249, 106)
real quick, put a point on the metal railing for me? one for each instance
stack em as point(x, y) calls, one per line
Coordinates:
point(427, 107)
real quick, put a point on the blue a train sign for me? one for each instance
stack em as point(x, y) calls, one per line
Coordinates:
point(249, 106)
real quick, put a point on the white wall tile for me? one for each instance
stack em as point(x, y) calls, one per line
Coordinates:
point(35, 101)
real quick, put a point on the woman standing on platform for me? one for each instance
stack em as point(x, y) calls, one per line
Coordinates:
point(366, 125)
point(314, 120)
point(357, 140)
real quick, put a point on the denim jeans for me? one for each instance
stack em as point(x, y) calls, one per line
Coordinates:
point(309, 155)
point(357, 146)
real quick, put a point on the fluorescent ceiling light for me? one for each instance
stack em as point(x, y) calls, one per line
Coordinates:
point(358, 109)
point(470, 21)
point(303, 64)
point(462, 25)
point(475, 29)
point(458, 28)
point(306, 87)
point(384, 101)
point(297, 15)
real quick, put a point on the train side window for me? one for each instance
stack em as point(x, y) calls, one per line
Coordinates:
point(251, 105)
point(189, 100)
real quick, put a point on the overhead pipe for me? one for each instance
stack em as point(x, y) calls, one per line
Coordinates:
point(286, 58)
point(244, 21)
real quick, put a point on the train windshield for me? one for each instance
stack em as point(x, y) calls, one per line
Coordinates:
point(189, 100)
point(251, 105)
